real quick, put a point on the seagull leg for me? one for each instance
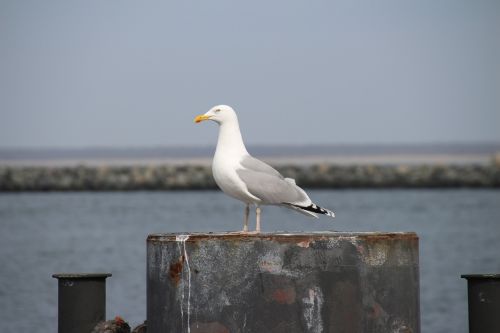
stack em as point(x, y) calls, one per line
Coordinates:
point(257, 219)
point(245, 221)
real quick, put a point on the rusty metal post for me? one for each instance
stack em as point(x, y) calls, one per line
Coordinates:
point(278, 282)
point(484, 302)
point(82, 301)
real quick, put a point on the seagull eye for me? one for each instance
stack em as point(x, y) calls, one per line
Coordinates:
point(217, 110)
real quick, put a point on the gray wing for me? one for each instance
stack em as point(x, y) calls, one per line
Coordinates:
point(251, 163)
point(268, 185)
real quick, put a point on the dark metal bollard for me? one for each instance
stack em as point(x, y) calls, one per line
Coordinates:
point(82, 301)
point(484, 302)
point(277, 282)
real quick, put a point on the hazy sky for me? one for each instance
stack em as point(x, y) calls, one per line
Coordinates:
point(135, 73)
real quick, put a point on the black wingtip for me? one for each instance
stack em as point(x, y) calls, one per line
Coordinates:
point(316, 209)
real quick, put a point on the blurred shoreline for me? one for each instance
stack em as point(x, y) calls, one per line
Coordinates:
point(184, 168)
point(342, 154)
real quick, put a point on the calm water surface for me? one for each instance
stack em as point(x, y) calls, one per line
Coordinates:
point(44, 233)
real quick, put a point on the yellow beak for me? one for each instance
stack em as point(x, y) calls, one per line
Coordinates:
point(200, 118)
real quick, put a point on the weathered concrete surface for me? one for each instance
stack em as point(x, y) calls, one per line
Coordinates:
point(277, 282)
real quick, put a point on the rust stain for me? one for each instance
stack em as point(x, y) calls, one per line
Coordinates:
point(285, 238)
point(175, 270)
point(345, 313)
point(376, 311)
point(284, 296)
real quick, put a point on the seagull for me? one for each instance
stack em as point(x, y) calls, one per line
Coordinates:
point(248, 179)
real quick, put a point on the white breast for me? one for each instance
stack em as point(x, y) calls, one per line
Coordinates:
point(224, 171)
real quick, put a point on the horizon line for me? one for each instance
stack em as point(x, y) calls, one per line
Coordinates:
point(258, 145)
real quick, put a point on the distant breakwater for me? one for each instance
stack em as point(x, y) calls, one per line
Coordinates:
point(187, 177)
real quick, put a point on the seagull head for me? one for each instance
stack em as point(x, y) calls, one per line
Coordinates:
point(219, 114)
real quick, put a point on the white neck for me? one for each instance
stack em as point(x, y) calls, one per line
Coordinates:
point(230, 141)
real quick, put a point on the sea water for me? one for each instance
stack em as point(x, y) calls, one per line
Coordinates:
point(45, 233)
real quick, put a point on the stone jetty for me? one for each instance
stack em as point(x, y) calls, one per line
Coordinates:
point(187, 177)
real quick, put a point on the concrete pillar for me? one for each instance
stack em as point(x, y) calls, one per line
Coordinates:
point(279, 282)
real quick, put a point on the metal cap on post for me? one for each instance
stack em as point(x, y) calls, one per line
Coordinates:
point(484, 302)
point(82, 301)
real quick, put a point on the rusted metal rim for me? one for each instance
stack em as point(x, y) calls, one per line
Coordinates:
point(481, 276)
point(81, 276)
point(278, 236)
